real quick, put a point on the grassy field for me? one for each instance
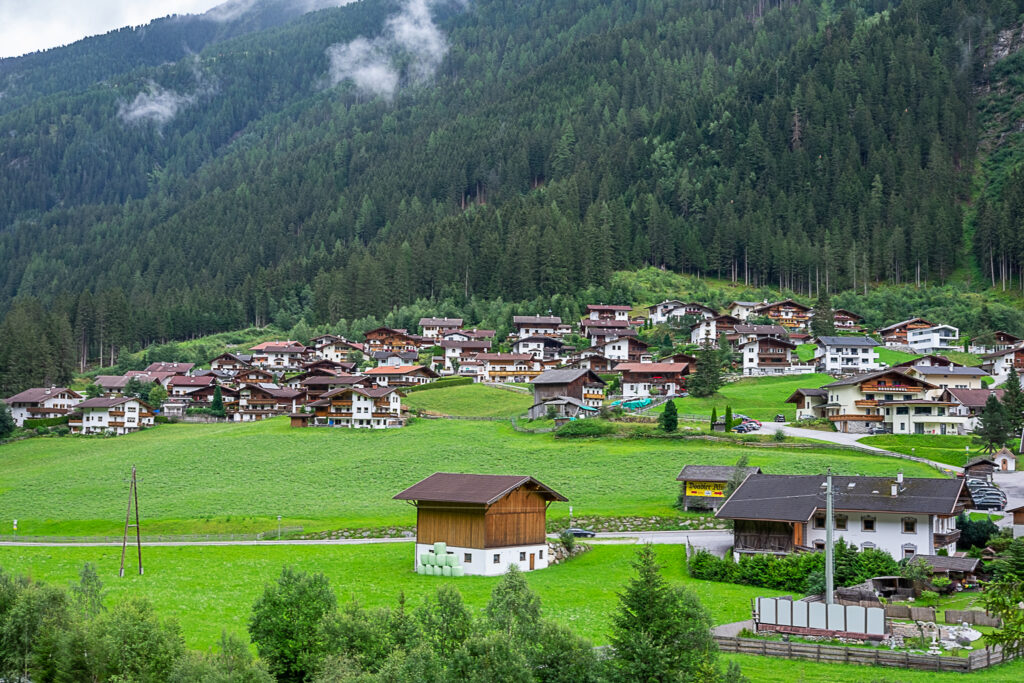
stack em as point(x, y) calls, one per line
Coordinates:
point(238, 477)
point(758, 397)
point(948, 449)
point(894, 357)
point(776, 670)
point(211, 588)
point(470, 400)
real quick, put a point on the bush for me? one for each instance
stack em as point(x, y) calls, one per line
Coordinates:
point(45, 422)
point(62, 431)
point(42, 431)
point(567, 540)
point(583, 428)
point(440, 384)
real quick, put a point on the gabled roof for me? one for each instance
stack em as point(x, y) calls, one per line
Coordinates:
point(38, 394)
point(863, 377)
point(951, 370)
point(536, 320)
point(565, 400)
point(766, 330)
point(608, 307)
point(745, 304)
point(587, 322)
point(770, 340)
point(263, 345)
point(784, 302)
point(111, 381)
point(480, 489)
point(291, 348)
point(186, 381)
point(565, 376)
point(846, 341)
point(548, 341)
point(651, 368)
point(795, 498)
point(468, 344)
point(451, 323)
point(942, 564)
point(108, 402)
point(245, 358)
point(805, 392)
point(713, 472)
point(507, 357)
point(176, 368)
point(904, 322)
point(401, 370)
point(666, 302)
point(332, 380)
point(848, 314)
point(974, 398)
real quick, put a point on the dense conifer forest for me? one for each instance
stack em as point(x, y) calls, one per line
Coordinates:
point(194, 175)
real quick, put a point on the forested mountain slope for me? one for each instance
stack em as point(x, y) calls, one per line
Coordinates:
point(356, 158)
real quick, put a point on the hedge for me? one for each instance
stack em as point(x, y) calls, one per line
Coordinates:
point(586, 427)
point(439, 384)
point(45, 422)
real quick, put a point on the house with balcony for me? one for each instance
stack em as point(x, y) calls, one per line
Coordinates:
point(394, 359)
point(432, 328)
point(184, 385)
point(116, 415)
point(845, 355)
point(790, 314)
point(644, 380)
point(232, 363)
point(541, 348)
point(468, 335)
point(993, 342)
point(577, 383)
point(810, 403)
point(711, 329)
point(846, 321)
point(280, 357)
point(998, 364)
point(339, 350)
point(771, 356)
point(603, 330)
point(622, 349)
point(896, 334)
point(952, 376)
point(968, 403)
point(934, 339)
point(743, 333)
point(608, 312)
point(359, 408)
point(316, 386)
point(389, 339)
point(401, 375)
point(508, 367)
point(173, 368)
point(537, 326)
point(266, 400)
point(673, 311)
point(742, 309)
point(780, 514)
point(41, 403)
point(457, 351)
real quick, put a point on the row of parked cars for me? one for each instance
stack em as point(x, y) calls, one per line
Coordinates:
point(985, 495)
point(747, 424)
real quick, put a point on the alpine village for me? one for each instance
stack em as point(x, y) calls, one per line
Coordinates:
point(464, 340)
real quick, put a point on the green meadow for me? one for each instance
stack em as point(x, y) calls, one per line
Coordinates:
point(235, 478)
point(948, 449)
point(758, 397)
point(470, 400)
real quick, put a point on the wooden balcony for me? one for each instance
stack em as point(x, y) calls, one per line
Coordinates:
point(383, 414)
point(866, 403)
point(855, 418)
point(115, 423)
point(946, 538)
point(341, 403)
point(261, 401)
point(46, 411)
point(77, 423)
point(593, 396)
point(116, 413)
point(871, 388)
point(145, 414)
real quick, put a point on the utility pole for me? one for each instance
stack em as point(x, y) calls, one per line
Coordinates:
point(829, 524)
point(133, 497)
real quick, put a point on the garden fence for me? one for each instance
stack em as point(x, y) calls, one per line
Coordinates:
point(972, 616)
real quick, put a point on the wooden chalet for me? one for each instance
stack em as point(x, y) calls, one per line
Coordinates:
point(992, 342)
point(401, 375)
point(360, 408)
point(388, 339)
point(487, 521)
point(643, 380)
point(846, 320)
point(790, 314)
point(232, 362)
point(578, 383)
point(537, 325)
point(896, 334)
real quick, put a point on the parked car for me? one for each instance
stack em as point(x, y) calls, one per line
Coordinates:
point(580, 533)
point(780, 418)
point(741, 428)
point(875, 431)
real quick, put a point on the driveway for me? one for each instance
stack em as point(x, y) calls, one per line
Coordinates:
point(1012, 484)
point(848, 440)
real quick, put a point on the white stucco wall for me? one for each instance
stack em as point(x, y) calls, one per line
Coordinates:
point(482, 559)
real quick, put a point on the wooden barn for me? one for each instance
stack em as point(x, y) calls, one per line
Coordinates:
point(488, 521)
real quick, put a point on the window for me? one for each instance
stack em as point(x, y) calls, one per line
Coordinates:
point(902, 410)
point(922, 410)
point(522, 557)
point(467, 557)
point(540, 554)
point(909, 550)
point(819, 521)
point(841, 522)
point(909, 525)
point(819, 545)
point(868, 546)
point(497, 558)
point(867, 523)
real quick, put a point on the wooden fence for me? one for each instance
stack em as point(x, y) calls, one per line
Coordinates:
point(907, 612)
point(972, 616)
point(864, 656)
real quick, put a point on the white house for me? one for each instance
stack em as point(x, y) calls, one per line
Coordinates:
point(42, 402)
point(995, 341)
point(643, 380)
point(480, 523)
point(949, 377)
point(998, 364)
point(771, 356)
point(841, 355)
point(1005, 460)
point(541, 348)
point(433, 327)
point(360, 408)
point(935, 339)
point(781, 513)
point(457, 351)
point(710, 329)
point(115, 414)
point(537, 325)
point(608, 312)
point(743, 309)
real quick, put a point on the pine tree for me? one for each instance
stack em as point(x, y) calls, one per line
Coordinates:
point(714, 416)
point(993, 429)
point(728, 418)
point(823, 323)
point(708, 377)
point(660, 632)
point(1013, 401)
point(669, 418)
point(217, 405)
point(6, 421)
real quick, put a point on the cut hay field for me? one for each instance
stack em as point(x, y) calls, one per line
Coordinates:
point(222, 478)
point(213, 587)
point(758, 397)
point(470, 400)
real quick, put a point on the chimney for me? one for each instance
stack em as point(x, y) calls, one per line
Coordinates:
point(895, 489)
point(899, 477)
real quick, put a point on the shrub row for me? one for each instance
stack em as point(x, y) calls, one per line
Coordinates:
point(440, 384)
point(45, 422)
point(588, 427)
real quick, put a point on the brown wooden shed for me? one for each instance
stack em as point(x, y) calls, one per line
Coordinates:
point(488, 521)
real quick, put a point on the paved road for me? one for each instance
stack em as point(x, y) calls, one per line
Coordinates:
point(716, 541)
point(851, 440)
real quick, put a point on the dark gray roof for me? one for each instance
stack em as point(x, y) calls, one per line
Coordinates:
point(848, 341)
point(482, 489)
point(948, 370)
point(713, 472)
point(565, 376)
point(536, 320)
point(903, 322)
point(942, 564)
point(795, 498)
point(863, 377)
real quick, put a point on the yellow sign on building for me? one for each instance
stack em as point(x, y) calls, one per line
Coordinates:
point(711, 489)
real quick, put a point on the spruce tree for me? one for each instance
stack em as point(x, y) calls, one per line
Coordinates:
point(708, 377)
point(1013, 401)
point(6, 421)
point(669, 418)
point(824, 321)
point(993, 429)
point(714, 416)
point(217, 405)
point(728, 418)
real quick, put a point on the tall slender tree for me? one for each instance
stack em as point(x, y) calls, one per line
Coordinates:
point(1013, 401)
point(993, 430)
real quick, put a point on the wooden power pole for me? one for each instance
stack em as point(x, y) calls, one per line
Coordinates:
point(133, 499)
